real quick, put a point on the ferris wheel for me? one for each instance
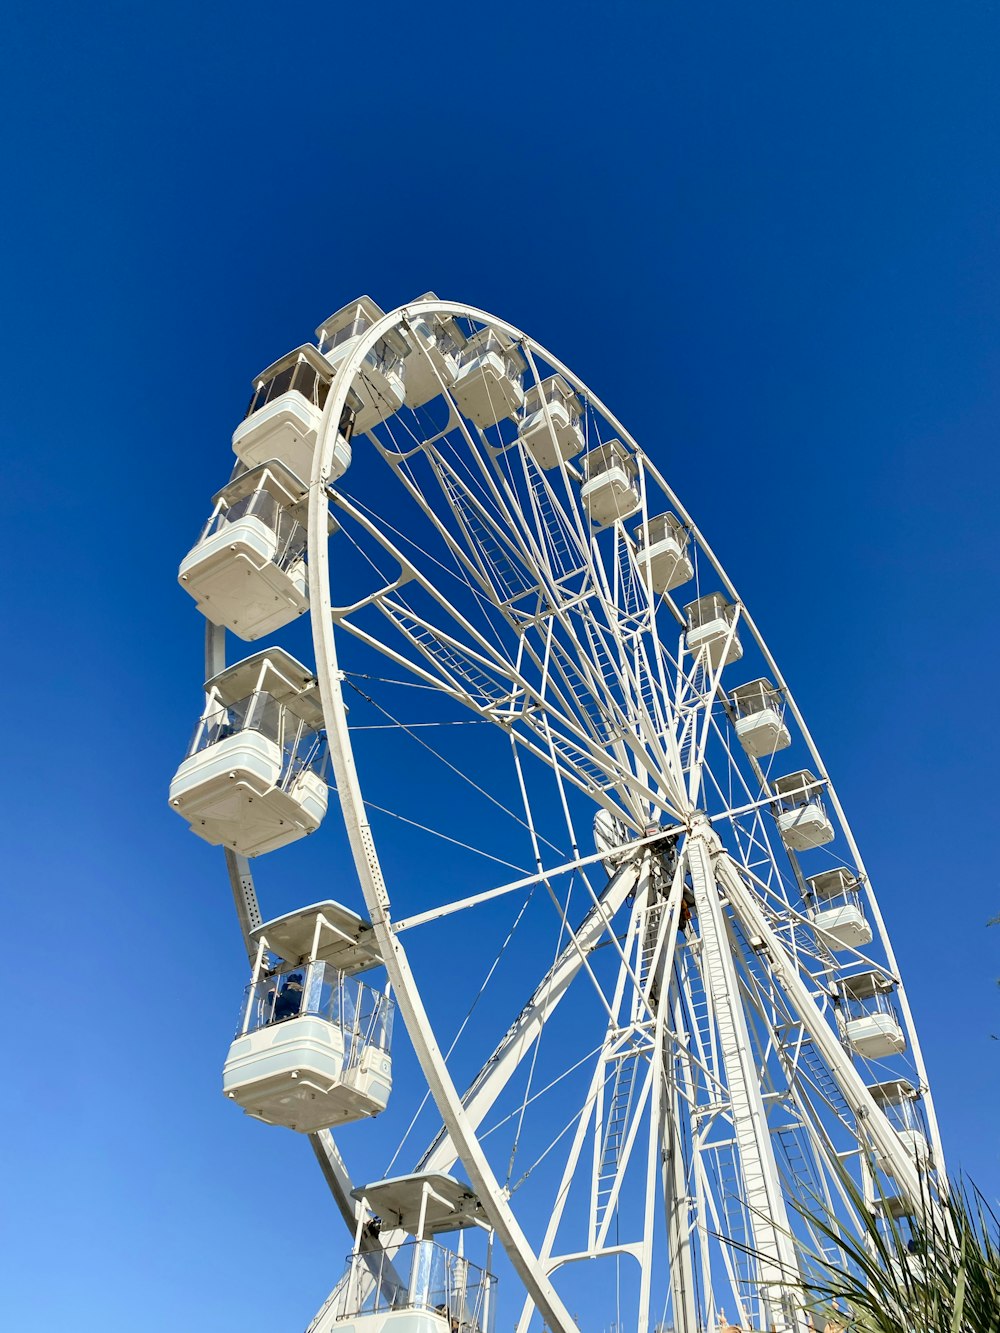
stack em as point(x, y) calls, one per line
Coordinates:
point(646, 1001)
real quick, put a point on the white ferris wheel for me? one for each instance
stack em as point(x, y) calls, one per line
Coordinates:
point(646, 1001)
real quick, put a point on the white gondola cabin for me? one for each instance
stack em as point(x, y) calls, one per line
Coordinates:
point(420, 1285)
point(551, 429)
point(895, 1214)
point(285, 413)
point(802, 819)
point(313, 1048)
point(872, 1025)
point(898, 1223)
point(247, 571)
point(488, 386)
point(836, 909)
point(253, 777)
point(661, 552)
point(900, 1101)
point(436, 343)
point(609, 490)
point(760, 724)
point(380, 382)
point(710, 630)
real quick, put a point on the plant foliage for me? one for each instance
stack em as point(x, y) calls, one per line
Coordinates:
point(941, 1276)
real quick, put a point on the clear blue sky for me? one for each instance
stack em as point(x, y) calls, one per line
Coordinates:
point(766, 234)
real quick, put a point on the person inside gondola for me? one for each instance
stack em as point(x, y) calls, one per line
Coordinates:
point(288, 1001)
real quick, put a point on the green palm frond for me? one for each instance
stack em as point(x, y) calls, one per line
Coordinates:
point(943, 1278)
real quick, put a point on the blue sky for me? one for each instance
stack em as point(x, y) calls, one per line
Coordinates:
point(768, 237)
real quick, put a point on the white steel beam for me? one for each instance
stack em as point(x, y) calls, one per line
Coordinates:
point(764, 1200)
point(524, 1031)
